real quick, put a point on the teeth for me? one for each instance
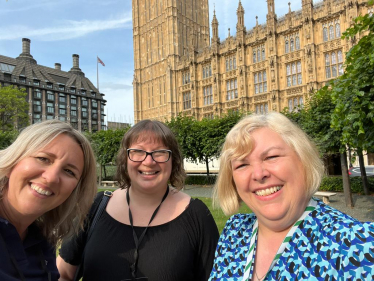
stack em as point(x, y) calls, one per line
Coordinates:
point(268, 191)
point(148, 173)
point(40, 191)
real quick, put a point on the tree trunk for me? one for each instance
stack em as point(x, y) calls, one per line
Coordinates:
point(364, 178)
point(104, 172)
point(346, 182)
point(207, 166)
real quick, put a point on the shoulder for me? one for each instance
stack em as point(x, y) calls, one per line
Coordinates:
point(338, 227)
point(239, 225)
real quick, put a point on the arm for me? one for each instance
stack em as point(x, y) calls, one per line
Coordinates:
point(67, 271)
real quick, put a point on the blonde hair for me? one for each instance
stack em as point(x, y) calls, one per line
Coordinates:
point(238, 145)
point(58, 222)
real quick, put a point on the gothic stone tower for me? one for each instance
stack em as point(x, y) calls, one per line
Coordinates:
point(163, 31)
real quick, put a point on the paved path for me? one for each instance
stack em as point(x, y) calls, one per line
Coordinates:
point(363, 210)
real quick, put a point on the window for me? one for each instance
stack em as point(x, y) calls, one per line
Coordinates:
point(73, 111)
point(186, 100)
point(262, 108)
point(208, 95)
point(254, 57)
point(263, 54)
point(61, 88)
point(36, 83)
point(297, 42)
point(94, 113)
point(291, 45)
point(186, 78)
point(232, 89)
point(94, 103)
point(286, 47)
point(207, 71)
point(50, 117)
point(293, 74)
point(49, 86)
point(72, 90)
point(37, 118)
point(50, 96)
point(331, 30)
point(37, 94)
point(22, 80)
point(50, 108)
point(260, 82)
point(73, 100)
point(84, 102)
point(84, 112)
point(295, 103)
point(62, 98)
point(259, 53)
point(37, 106)
point(62, 109)
point(230, 63)
point(334, 64)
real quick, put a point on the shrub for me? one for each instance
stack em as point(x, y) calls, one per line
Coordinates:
point(200, 179)
point(335, 183)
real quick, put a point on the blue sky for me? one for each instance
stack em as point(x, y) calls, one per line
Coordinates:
point(60, 28)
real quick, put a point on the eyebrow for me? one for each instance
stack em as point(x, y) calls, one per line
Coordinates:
point(69, 165)
point(270, 149)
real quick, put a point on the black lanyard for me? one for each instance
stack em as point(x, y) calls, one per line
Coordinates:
point(136, 239)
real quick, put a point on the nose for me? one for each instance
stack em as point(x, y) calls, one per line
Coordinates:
point(259, 172)
point(148, 160)
point(52, 174)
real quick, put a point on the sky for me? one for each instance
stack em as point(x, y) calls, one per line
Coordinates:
point(90, 28)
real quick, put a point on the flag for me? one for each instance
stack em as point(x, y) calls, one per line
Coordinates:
point(100, 61)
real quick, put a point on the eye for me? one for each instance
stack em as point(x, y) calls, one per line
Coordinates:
point(70, 172)
point(271, 157)
point(239, 166)
point(43, 159)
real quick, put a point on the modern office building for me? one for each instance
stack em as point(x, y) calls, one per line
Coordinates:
point(55, 94)
point(180, 68)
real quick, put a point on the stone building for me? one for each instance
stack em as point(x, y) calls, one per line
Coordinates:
point(179, 68)
point(53, 93)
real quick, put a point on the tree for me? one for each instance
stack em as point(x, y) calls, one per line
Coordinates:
point(7, 138)
point(13, 108)
point(106, 145)
point(353, 92)
point(201, 141)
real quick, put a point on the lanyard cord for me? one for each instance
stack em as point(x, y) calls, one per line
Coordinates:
point(136, 239)
point(251, 253)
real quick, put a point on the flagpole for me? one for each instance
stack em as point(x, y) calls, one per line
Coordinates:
point(97, 71)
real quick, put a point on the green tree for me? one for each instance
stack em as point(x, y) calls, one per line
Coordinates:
point(353, 92)
point(7, 138)
point(13, 108)
point(106, 145)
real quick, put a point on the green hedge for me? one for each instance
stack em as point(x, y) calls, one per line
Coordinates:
point(201, 180)
point(335, 183)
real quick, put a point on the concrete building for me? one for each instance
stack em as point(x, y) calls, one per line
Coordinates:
point(180, 68)
point(53, 93)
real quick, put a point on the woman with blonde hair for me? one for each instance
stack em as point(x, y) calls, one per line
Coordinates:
point(272, 166)
point(47, 181)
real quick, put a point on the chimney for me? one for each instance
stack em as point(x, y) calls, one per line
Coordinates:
point(26, 46)
point(75, 61)
point(58, 66)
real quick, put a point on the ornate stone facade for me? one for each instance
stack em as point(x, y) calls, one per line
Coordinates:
point(178, 68)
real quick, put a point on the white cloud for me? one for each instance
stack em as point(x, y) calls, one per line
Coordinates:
point(67, 29)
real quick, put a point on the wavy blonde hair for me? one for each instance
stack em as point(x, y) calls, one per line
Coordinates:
point(239, 143)
point(58, 222)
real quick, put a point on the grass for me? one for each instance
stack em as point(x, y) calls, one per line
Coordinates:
point(219, 217)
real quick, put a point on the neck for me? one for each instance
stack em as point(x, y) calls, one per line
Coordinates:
point(16, 219)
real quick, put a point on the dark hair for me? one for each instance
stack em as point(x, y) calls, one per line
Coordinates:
point(160, 132)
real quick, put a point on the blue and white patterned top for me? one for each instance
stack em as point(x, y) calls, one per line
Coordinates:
point(328, 245)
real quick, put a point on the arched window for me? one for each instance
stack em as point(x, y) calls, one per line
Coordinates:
point(263, 54)
point(256, 78)
point(291, 45)
point(333, 58)
point(340, 56)
point(333, 65)
point(325, 37)
point(301, 102)
point(203, 72)
point(327, 66)
point(297, 42)
point(290, 105)
point(258, 55)
point(234, 63)
point(262, 109)
point(337, 30)
point(295, 102)
point(266, 108)
point(331, 32)
point(254, 57)
point(286, 48)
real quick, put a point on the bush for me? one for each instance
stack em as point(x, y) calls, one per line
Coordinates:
point(200, 179)
point(335, 183)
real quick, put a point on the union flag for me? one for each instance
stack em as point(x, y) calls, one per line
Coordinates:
point(100, 61)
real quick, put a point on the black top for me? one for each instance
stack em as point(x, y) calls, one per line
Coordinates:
point(22, 260)
point(182, 249)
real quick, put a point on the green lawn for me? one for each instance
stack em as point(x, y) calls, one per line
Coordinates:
point(218, 215)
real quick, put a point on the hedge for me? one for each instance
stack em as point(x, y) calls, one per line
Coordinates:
point(329, 183)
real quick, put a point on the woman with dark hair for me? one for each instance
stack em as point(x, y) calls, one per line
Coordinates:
point(47, 179)
point(149, 230)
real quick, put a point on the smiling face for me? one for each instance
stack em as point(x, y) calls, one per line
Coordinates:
point(45, 179)
point(270, 180)
point(148, 175)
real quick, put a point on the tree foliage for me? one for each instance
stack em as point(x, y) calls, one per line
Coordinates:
point(7, 138)
point(201, 141)
point(13, 108)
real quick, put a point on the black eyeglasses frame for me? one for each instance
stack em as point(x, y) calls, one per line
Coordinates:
point(148, 153)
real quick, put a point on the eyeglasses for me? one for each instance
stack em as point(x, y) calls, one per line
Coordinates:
point(159, 156)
